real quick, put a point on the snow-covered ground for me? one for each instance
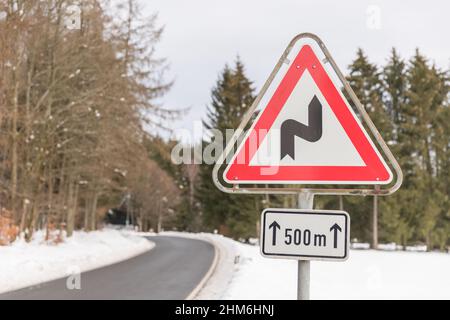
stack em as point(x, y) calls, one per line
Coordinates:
point(242, 273)
point(24, 264)
point(367, 274)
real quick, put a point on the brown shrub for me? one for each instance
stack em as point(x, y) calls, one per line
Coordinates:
point(8, 229)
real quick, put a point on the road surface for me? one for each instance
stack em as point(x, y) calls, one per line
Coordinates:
point(171, 270)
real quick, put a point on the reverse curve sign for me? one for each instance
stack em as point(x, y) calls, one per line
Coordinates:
point(307, 133)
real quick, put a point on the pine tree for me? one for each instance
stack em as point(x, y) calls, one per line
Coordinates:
point(441, 235)
point(365, 80)
point(395, 86)
point(422, 144)
point(234, 215)
point(394, 226)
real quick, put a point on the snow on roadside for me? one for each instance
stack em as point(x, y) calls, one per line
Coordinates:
point(26, 264)
point(368, 274)
point(242, 273)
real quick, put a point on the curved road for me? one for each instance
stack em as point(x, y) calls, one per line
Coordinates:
point(171, 270)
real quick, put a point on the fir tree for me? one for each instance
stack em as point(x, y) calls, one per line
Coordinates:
point(365, 80)
point(395, 86)
point(422, 144)
point(234, 215)
point(394, 226)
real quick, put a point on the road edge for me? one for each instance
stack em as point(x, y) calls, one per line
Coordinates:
point(194, 293)
point(213, 285)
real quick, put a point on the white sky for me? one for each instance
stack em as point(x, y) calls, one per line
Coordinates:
point(202, 35)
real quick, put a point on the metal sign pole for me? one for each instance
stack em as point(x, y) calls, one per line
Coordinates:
point(305, 201)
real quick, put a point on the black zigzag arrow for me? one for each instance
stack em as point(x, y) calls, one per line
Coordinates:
point(291, 128)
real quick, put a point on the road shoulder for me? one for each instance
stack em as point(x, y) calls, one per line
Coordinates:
point(215, 282)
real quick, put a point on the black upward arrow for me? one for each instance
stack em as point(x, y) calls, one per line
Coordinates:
point(275, 226)
point(291, 128)
point(335, 228)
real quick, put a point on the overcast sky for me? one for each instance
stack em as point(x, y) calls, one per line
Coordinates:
point(202, 35)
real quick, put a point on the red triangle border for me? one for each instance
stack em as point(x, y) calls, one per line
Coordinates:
point(375, 171)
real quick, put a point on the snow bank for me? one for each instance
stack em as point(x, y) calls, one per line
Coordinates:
point(24, 264)
point(389, 247)
point(242, 273)
point(368, 274)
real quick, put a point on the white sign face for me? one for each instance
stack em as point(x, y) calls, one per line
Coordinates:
point(305, 234)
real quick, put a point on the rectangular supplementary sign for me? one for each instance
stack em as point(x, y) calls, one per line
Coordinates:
point(305, 234)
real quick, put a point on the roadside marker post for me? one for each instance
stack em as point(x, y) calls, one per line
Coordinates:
point(306, 128)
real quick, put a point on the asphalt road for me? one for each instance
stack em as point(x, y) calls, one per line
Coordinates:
point(171, 270)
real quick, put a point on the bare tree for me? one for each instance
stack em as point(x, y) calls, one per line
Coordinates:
point(74, 105)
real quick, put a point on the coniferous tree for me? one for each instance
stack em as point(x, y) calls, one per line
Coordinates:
point(234, 215)
point(421, 143)
point(394, 226)
point(365, 80)
point(395, 86)
point(441, 234)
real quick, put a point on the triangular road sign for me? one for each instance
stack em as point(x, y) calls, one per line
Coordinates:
point(307, 133)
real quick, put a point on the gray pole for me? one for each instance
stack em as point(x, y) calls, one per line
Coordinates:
point(305, 201)
point(375, 223)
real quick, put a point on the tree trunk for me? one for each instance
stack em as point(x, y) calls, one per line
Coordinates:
point(429, 242)
point(23, 217)
point(258, 229)
point(93, 215)
point(14, 155)
point(34, 218)
point(159, 225)
point(86, 213)
point(267, 198)
point(70, 213)
point(27, 186)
